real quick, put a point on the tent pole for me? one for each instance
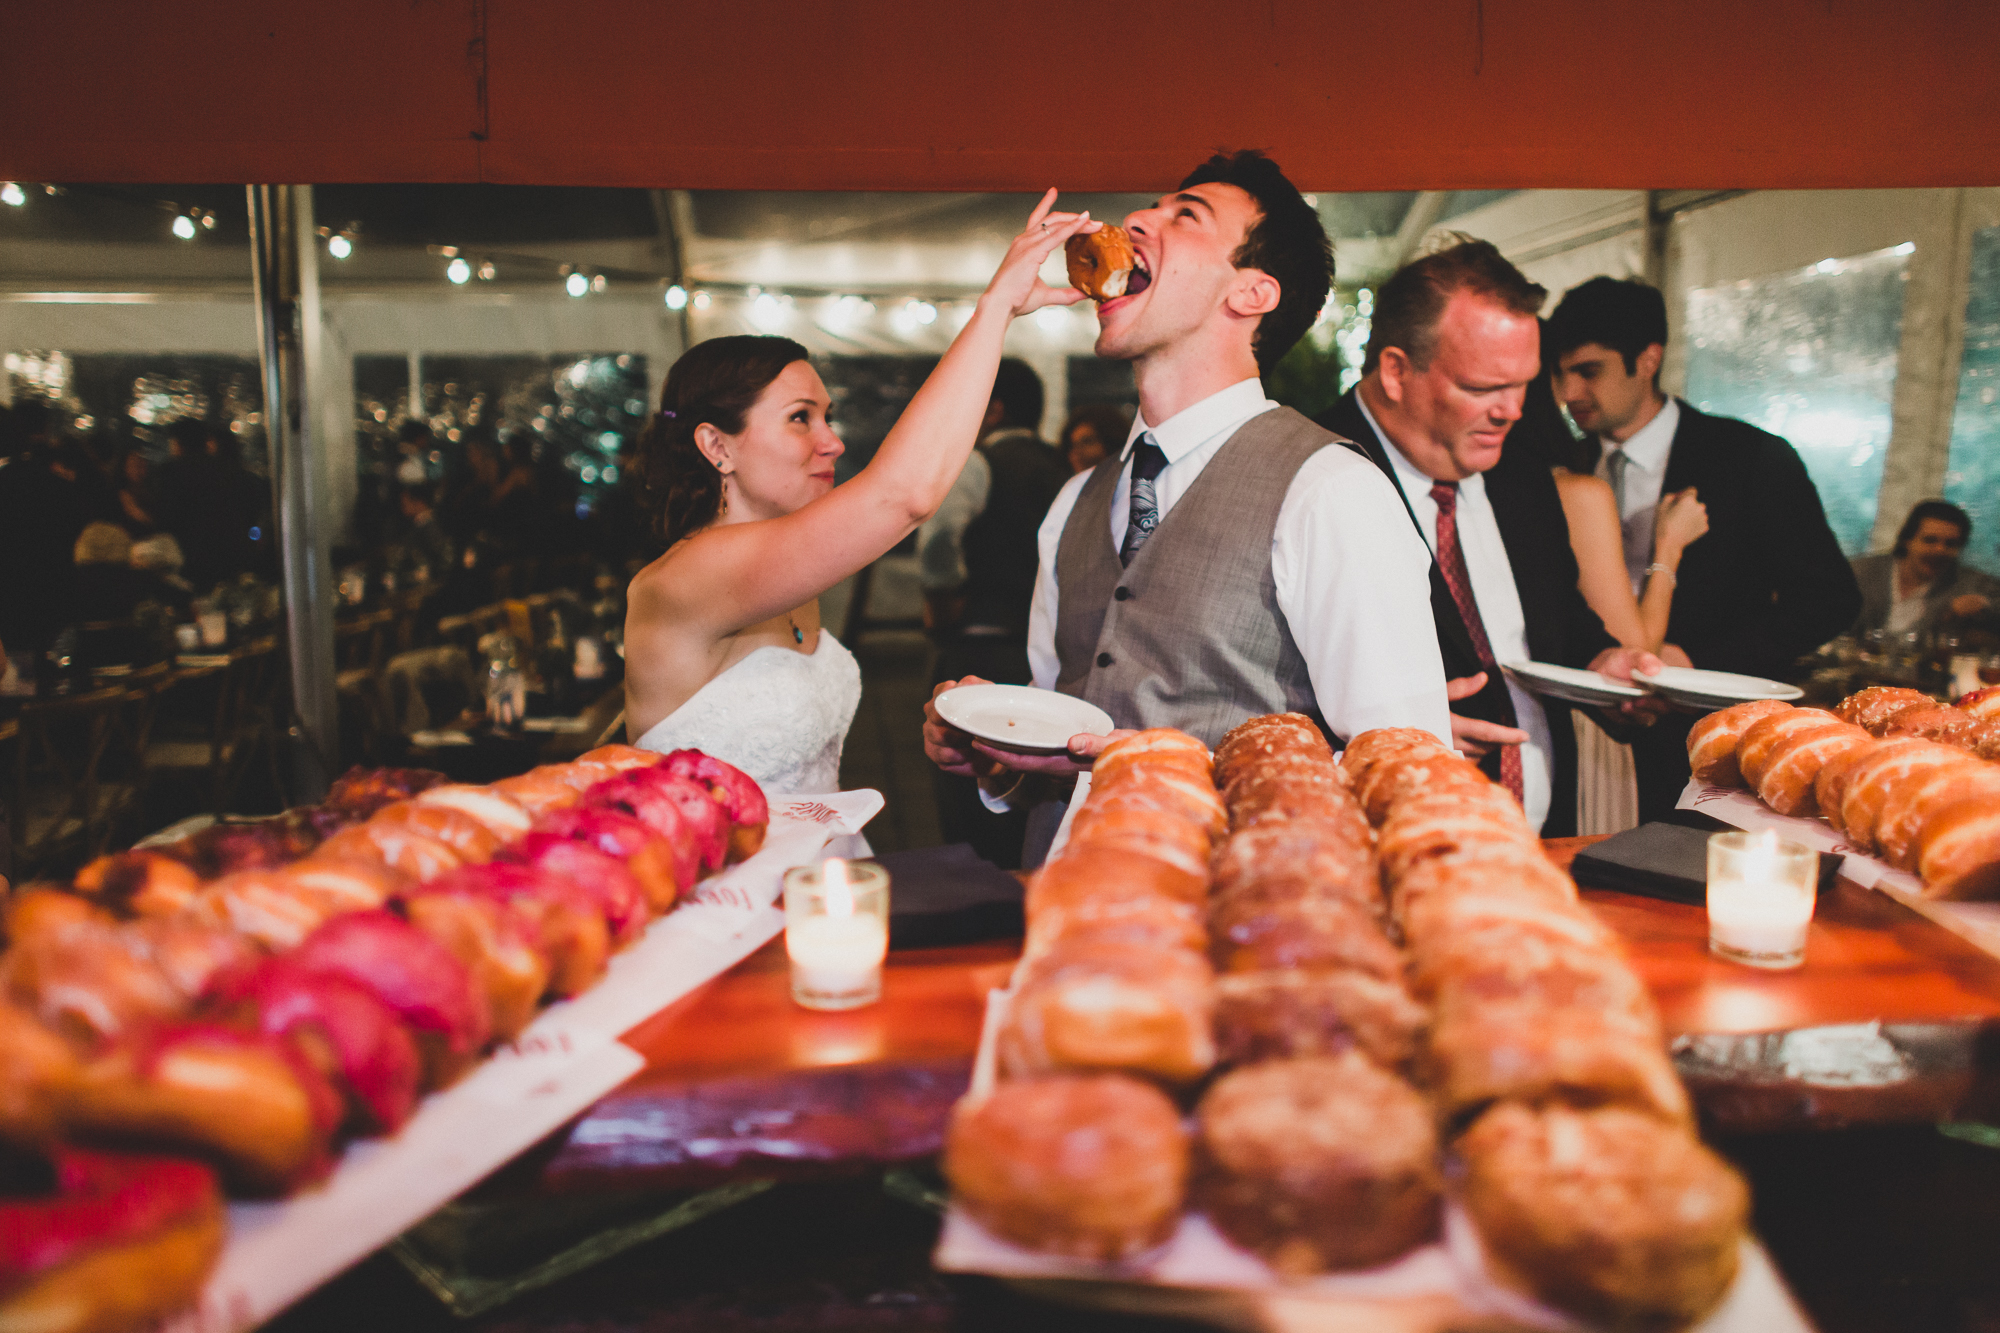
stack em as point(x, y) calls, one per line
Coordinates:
point(285, 281)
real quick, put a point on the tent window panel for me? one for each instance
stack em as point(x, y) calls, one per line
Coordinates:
point(1809, 355)
point(1972, 473)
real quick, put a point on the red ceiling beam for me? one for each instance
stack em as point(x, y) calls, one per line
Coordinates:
point(1005, 94)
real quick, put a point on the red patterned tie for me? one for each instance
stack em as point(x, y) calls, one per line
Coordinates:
point(1451, 564)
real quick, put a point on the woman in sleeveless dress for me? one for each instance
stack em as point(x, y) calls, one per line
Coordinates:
point(723, 647)
point(1607, 787)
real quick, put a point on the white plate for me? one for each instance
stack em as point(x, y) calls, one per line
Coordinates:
point(1694, 688)
point(1020, 717)
point(1574, 684)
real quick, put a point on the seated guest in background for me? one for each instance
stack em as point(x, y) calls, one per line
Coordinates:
point(138, 506)
point(978, 558)
point(1091, 432)
point(1454, 345)
point(158, 557)
point(1920, 585)
point(1230, 559)
point(42, 509)
point(723, 647)
point(1768, 583)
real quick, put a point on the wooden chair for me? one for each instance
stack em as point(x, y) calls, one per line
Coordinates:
point(244, 719)
point(54, 802)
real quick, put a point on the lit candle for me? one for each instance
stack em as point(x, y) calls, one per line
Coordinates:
point(836, 933)
point(1761, 893)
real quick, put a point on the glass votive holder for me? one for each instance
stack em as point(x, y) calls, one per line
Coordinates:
point(837, 932)
point(1761, 892)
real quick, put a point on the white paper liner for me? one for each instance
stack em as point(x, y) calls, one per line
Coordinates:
point(1978, 923)
point(1198, 1257)
point(568, 1058)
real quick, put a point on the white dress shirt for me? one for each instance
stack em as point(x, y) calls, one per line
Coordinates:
point(941, 538)
point(1352, 578)
point(1496, 597)
point(1645, 476)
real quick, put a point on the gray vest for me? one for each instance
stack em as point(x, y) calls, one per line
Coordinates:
point(1190, 635)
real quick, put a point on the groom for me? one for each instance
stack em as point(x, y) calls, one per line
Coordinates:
point(1226, 562)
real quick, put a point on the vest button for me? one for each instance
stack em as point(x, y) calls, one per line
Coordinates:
point(1123, 594)
point(1104, 659)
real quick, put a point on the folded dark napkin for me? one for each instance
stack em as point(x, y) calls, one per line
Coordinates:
point(949, 895)
point(1663, 861)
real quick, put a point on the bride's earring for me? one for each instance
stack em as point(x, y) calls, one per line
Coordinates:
point(724, 490)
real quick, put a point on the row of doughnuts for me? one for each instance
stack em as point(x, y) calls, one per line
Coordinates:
point(1079, 1149)
point(233, 1000)
point(1314, 1151)
point(1545, 1060)
point(1899, 776)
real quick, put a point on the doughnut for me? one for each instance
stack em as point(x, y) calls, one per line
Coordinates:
point(96, 1242)
point(1101, 263)
point(1091, 1166)
point(741, 799)
point(38, 1072)
point(1279, 1015)
point(1090, 876)
point(498, 813)
point(1519, 867)
point(1276, 859)
point(1713, 740)
point(1609, 1214)
point(1947, 726)
point(400, 846)
point(1484, 1048)
point(1385, 744)
point(418, 978)
point(1763, 735)
point(606, 880)
point(1795, 761)
point(1958, 850)
point(248, 1102)
point(1106, 1006)
point(539, 790)
point(91, 981)
point(663, 866)
point(142, 883)
point(1173, 796)
point(1314, 934)
point(623, 757)
point(41, 909)
point(1880, 772)
point(1387, 784)
point(1983, 702)
point(568, 926)
point(495, 947)
point(1154, 749)
point(1438, 918)
point(582, 775)
point(1984, 738)
point(675, 807)
point(1830, 787)
point(1146, 831)
point(360, 792)
point(471, 840)
point(262, 905)
point(1156, 922)
point(1315, 1164)
point(1914, 800)
point(1871, 709)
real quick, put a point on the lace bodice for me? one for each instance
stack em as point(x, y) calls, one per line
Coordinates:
point(778, 715)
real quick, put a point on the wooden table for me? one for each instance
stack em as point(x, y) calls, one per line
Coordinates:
point(1892, 1020)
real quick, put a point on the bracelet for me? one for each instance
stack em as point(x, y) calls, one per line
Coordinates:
point(1657, 568)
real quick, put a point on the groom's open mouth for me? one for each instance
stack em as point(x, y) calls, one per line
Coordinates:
point(1136, 280)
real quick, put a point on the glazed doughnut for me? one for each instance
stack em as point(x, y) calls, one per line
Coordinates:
point(1385, 744)
point(1147, 831)
point(110, 1241)
point(583, 775)
point(675, 807)
point(1156, 747)
point(1947, 726)
point(92, 982)
point(1282, 1015)
point(144, 883)
point(1879, 772)
point(1911, 803)
point(1294, 857)
point(1611, 1215)
point(539, 790)
point(1113, 1007)
point(38, 1072)
point(500, 815)
point(262, 905)
point(622, 757)
point(1984, 738)
point(1958, 850)
point(1482, 1050)
point(1513, 962)
point(1388, 784)
point(1253, 743)
point(1082, 874)
point(1101, 262)
point(1159, 923)
point(1522, 867)
point(249, 1102)
point(1830, 787)
point(1440, 918)
point(1713, 740)
point(396, 845)
point(1092, 1166)
point(605, 880)
point(1795, 761)
point(42, 908)
point(663, 866)
point(360, 792)
point(473, 842)
point(742, 800)
point(1981, 702)
point(1871, 709)
point(418, 978)
point(1312, 934)
point(495, 947)
point(1763, 735)
point(1173, 795)
point(565, 920)
point(1316, 1164)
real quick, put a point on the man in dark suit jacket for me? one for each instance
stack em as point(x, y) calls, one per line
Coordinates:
point(1453, 346)
point(1768, 583)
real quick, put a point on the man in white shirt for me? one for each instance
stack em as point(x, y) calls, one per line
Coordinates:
point(1454, 344)
point(1175, 593)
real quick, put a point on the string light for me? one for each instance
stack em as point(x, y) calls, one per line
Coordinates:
point(487, 272)
point(184, 226)
point(339, 246)
point(677, 297)
point(701, 300)
point(458, 271)
point(12, 195)
point(597, 282)
point(576, 284)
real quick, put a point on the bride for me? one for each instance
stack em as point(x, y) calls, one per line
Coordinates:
point(723, 647)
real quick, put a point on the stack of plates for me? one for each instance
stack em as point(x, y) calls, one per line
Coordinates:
point(1683, 687)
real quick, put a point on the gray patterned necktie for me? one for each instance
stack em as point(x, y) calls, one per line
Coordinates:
point(1147, 464)
point(1615, 463)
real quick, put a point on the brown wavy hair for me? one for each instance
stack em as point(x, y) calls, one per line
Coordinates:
point(715, 382)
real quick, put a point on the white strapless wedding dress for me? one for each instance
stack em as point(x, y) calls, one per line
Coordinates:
point(780, 716)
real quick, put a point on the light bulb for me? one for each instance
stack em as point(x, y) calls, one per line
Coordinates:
point(576, 284)
point(184, 227)
point(701, 300)
point(208, 222)
point(677, 297)
point(459, 272)
point(597, 282)
point(487, 272)
point(339, 246)
point(12, 195)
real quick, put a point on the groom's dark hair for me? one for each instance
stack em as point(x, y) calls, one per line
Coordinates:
point(1287, 241)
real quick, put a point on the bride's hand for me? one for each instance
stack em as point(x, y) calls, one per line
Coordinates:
point(1017, 287)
